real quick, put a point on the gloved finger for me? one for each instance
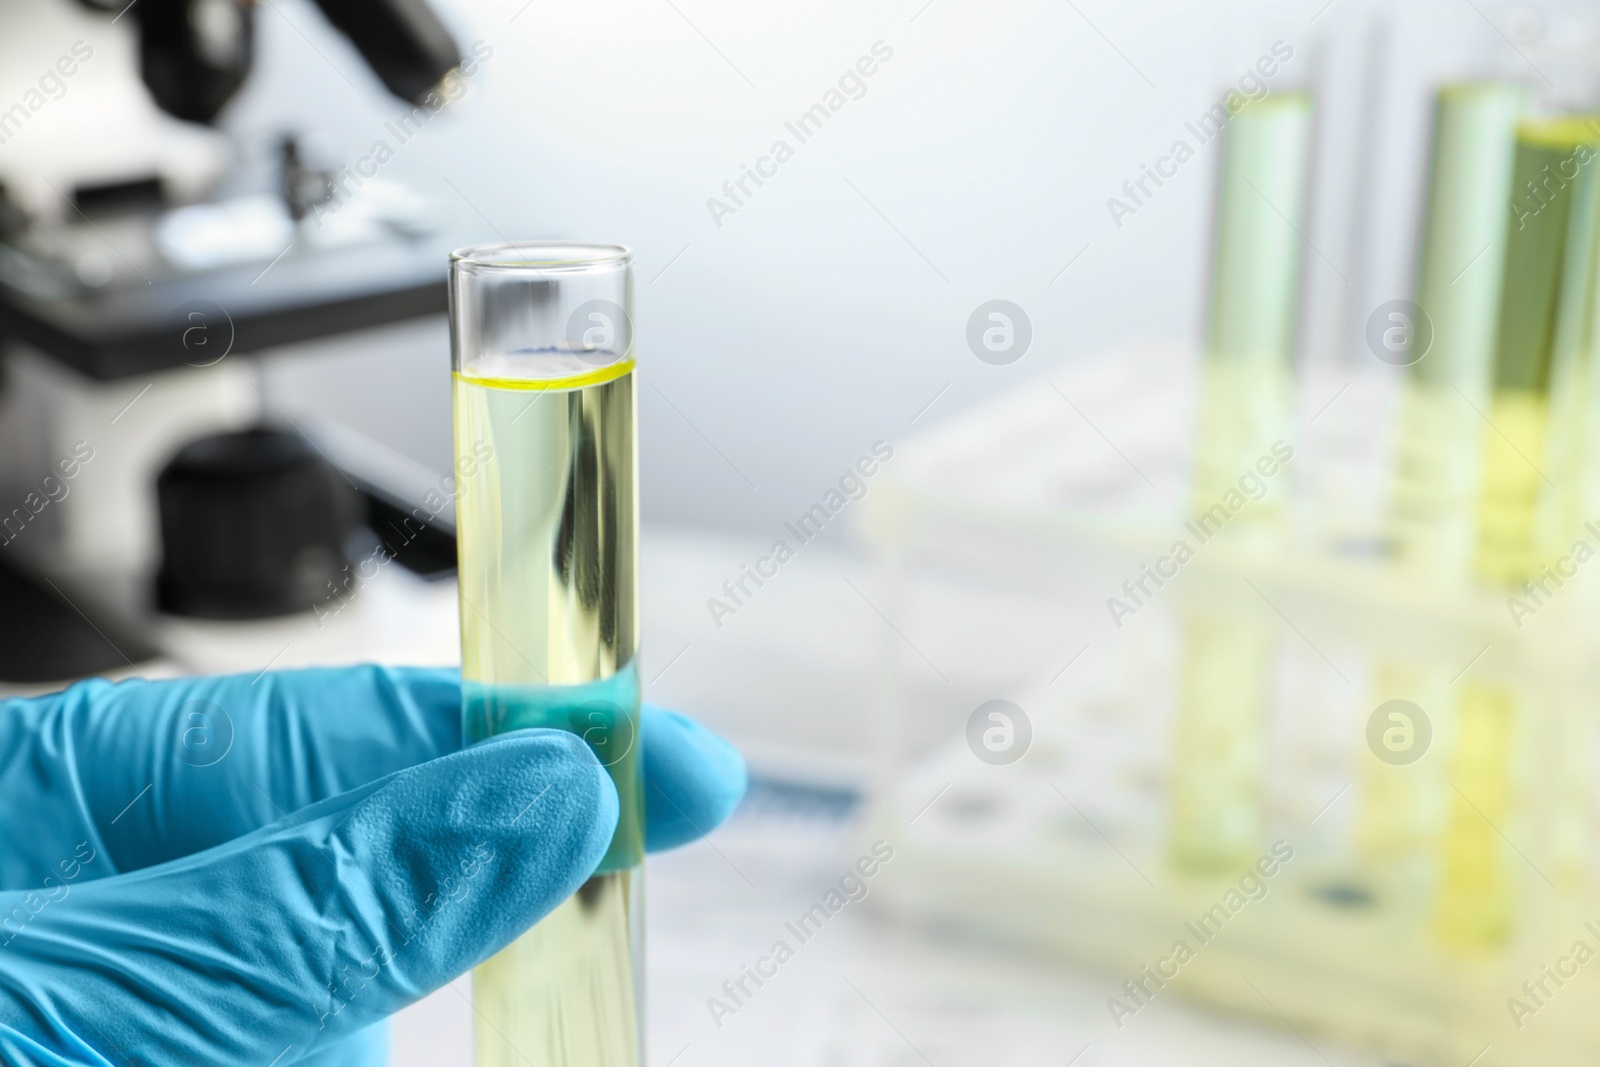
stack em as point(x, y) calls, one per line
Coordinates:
point(364, 1048)
point(693, 779)
point(300, 934)
point(145, 772)
point(129, 775)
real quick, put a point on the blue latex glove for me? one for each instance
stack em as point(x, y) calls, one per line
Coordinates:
point(229, 871)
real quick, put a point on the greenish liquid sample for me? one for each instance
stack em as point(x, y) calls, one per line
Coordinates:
point(605, 714)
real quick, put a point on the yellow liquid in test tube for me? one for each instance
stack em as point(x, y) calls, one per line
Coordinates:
point(547, 526)
point(1475, 891)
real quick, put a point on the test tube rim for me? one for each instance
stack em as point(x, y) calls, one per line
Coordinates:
point(543, 256)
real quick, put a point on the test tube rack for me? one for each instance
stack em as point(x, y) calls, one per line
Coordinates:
point(1419, 899)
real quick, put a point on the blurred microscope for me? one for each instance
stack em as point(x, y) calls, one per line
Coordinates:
point(146, 478)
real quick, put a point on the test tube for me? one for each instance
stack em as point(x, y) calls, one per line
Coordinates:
point(1459, 274)
point(546, 532)
point(1460, 268)
point(1247, 368)
point(1548, 247)
point(1566, 497)
point(1537, 357)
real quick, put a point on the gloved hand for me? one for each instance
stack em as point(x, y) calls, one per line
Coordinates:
point(258, 871)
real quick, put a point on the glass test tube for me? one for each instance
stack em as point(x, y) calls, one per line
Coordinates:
point(547, 528)
point(1255, 281)
point(1460, 269)
point(1569, 437)
point(1578, 372)
point(1548, 246)
point(1549, 253)
point(1245, 407)
point(1461, 265)
point(1571, 514)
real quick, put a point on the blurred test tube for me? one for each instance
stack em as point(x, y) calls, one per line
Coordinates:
point(1247, 370)
point(1460, 270)
point(1247, 367)
point(1537, 362)
point(1461, 266)
point(1548, 249)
